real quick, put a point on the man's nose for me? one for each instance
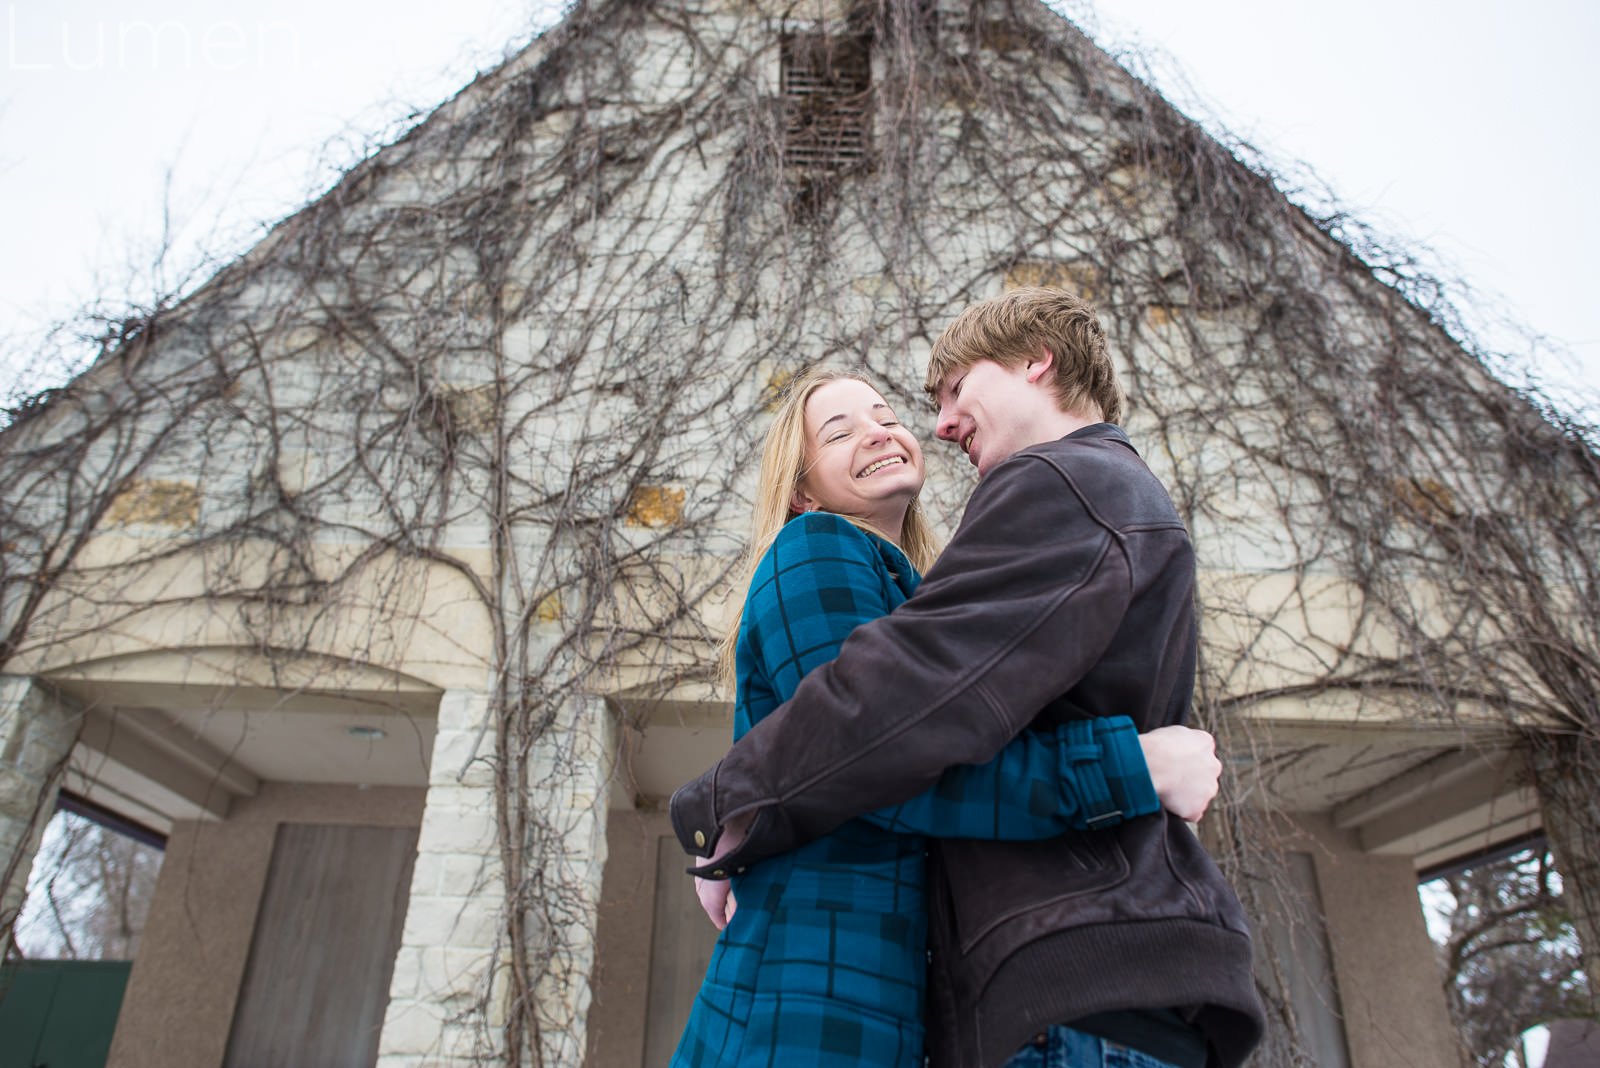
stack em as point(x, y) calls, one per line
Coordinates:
point(945, 428)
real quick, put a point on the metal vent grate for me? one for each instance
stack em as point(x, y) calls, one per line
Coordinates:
point(827, 83)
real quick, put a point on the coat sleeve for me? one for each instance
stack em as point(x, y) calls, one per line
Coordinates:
point(1020, 606)
point(1084, 775)
point(824, 580)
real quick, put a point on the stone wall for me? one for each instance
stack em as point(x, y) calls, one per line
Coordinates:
point(36, 735)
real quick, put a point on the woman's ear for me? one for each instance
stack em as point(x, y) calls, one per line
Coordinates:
point(799, 502)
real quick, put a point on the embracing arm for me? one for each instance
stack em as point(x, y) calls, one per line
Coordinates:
point(995, 633)
point(1083, 775)
point(822, 580)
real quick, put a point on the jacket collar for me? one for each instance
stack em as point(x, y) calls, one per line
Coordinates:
point(1110, 433)
point(1102, 432)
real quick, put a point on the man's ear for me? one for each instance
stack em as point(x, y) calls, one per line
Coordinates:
point(799, 502)
point(1040, 363)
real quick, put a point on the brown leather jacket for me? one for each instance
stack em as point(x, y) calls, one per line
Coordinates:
point(1067, 592)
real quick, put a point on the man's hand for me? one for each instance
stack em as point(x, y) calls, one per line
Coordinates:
point(716, 895)
point(1183, 768)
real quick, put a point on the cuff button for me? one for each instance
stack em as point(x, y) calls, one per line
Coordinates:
point(700, 839)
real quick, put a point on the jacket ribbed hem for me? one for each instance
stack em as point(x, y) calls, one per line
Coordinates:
point(1136, 965)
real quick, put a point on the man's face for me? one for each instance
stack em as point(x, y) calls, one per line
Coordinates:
point(987, 410)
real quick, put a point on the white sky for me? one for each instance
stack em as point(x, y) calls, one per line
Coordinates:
point(1452, 124)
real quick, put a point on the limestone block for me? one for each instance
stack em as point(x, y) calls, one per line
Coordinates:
point(457, 829)
point(463, 710)
point(421, 971)
point(450, 921)
point(39, 733)
point(410, 966)
point(19, 793)
point(411, 1027)
point(466, 874)
point(461, 756)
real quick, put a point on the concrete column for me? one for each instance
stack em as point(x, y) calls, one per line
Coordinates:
point(448, 1001)
point(36, 736)
point(1568, 780)
point(1390, 986)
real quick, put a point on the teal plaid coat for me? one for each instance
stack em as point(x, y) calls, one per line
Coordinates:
point(822, 965)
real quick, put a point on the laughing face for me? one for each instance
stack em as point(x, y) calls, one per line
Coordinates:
point(989, 410)
point(859, 460)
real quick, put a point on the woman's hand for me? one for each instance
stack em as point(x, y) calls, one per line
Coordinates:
point(716, 895)
point(1183, 768)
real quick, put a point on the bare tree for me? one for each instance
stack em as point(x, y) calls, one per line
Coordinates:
point(1510, 958)
point(89, 894)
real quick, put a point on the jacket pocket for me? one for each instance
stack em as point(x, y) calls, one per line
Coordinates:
point(995, 883)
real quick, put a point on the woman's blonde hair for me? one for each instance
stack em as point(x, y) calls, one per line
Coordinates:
point(783, 465)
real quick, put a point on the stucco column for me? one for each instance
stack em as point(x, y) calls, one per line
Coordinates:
point(1568, 779)
point(36, 735)
point(447, 1001)
point(1385, 967)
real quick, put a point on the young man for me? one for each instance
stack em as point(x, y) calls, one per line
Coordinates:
point(1067, 592)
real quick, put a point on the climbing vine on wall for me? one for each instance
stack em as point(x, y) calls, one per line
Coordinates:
point(531, 344)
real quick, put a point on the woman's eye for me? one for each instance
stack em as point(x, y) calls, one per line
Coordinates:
point(891, 422)
point(838, 436)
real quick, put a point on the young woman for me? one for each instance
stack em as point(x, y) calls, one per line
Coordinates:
point(821, 964)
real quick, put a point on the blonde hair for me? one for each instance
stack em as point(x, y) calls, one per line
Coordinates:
point(783, 465)
point(1011, 329)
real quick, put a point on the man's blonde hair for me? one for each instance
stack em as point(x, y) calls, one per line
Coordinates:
point(1013, 328)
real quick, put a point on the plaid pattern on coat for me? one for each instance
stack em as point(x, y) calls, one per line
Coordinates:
point(822, 965)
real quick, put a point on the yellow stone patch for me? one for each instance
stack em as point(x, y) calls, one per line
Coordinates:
point(157, 501)
point(777, 385)
point(655, 506)
point(1427, 498)
point(549, 608)
point(471, 408)
point(1078, 278)
point(1161, 315)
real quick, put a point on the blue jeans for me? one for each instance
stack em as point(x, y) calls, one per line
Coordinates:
point(1066, 1048)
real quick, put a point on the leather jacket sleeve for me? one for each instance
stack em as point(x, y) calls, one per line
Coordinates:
point(1020, 606)
point(821, 580)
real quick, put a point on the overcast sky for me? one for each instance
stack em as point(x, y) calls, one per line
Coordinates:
point(1460, 126)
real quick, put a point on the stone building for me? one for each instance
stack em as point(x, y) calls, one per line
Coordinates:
point(381, 574)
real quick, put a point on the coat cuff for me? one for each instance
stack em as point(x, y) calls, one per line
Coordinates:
point(694, 820)
point(1127, 774)
point(1104, 773)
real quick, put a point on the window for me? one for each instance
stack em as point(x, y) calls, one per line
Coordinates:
point(826, 85)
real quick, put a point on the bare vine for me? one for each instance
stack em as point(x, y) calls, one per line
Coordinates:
point(530, 344)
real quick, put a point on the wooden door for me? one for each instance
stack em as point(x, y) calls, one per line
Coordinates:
point(317, 983)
